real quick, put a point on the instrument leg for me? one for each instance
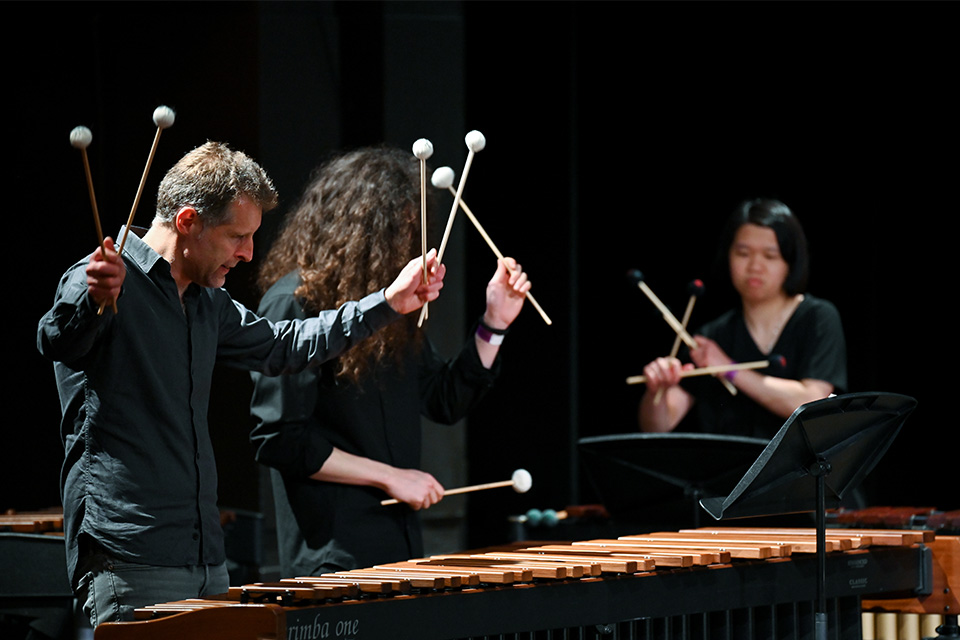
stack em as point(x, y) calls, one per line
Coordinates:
point(949, 629)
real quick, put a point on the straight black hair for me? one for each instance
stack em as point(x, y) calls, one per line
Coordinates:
point(772, 214)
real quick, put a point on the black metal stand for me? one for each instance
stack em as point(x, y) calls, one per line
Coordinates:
point(949, 629)
point(819, 470)
point(835, 443)
point(637, 475)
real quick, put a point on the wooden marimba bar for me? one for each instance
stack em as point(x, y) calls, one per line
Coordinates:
point(40, 522)
point(34, 589)
point(734, 584)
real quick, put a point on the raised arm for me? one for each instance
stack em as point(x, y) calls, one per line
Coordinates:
point(69, 330)
point(505, 294)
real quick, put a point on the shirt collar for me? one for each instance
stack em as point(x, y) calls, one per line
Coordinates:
point(138, 250)
point(148, 259)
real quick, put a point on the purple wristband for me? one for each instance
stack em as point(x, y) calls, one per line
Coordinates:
point(488, 336)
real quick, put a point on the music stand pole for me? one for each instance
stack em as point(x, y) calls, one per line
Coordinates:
point(844, 436)
point(819, 470)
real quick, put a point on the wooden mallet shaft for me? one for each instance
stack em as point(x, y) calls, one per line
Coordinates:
point(520, 481)
point(143, 180)
point(96, 220)
point(696, 286)
point(450, 219)
point(163, 118)
point(496, 252)
point(674, 323)
point(93, 199)
point(668, 316)
point(451, 492)
point(423, 217)
point(136, 202)
point(80, 138)
point(711, 370)
point(475, 142)
point(422, 150)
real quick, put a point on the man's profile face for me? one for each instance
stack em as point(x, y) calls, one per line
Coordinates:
point(212, 251)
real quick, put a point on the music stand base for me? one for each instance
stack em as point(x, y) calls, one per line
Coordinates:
point(949, 629)
point(820, 626)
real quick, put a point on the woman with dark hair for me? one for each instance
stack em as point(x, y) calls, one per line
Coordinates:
point(765, 250)
point(342, 438)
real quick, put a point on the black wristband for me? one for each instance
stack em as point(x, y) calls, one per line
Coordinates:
point(486, 327)
point(488, 334)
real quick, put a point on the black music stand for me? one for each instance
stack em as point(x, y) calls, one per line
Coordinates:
point(637, 475)
point(830, 444)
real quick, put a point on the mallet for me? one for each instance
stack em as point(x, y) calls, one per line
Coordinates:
point(80, 138)
point(475, 143)
point(521, 481)
point(636, 276)
point(695, 289)
point(163, 117)
point(775, 362)
point(423, 149)
point(443, 179)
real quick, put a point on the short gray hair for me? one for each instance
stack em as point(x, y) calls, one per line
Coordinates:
point(209, 179)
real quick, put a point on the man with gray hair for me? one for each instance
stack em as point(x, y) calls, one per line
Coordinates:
point(139, 480)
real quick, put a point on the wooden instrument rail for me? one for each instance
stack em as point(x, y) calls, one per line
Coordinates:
point(33, 574)
point(32, 522)
point(888, 517)
point(761, 583)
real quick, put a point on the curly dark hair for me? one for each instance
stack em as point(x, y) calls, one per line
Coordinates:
point(355, 227)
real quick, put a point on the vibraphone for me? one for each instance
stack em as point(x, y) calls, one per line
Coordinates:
point(721, 584)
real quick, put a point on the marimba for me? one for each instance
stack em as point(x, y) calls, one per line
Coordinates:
point(899, 517)
point(920, 617)
point(33, 575)
point(39, 522)
point(720, 583)
point(32, 564)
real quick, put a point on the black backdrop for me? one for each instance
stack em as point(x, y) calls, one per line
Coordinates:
point(619, 135)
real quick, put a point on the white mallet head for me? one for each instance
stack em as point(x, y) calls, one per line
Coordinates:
point(475, 141)
point(522, 481)
point(442, 177)
point(80, 137)
point(423, 148)
point(163, 117)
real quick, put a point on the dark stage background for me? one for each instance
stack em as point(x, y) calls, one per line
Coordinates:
point(619, 135)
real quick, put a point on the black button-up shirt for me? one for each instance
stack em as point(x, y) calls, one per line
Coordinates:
point(139, 474)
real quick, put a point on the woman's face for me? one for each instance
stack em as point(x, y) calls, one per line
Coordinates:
point(757, 269)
